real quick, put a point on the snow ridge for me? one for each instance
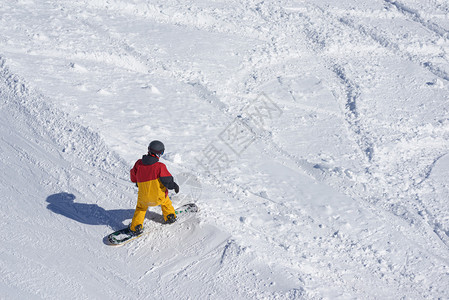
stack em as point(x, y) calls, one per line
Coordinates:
point(46, 120)
point(415, 16)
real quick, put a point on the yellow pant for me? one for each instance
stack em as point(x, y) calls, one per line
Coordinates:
point(141, 210)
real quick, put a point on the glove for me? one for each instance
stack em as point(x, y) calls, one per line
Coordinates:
point(176, 188)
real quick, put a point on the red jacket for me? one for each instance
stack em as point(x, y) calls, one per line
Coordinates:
point(153, 180)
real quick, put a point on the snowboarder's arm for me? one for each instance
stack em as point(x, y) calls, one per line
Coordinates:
point(167, 179)
point(133, 172)
point(169, 183)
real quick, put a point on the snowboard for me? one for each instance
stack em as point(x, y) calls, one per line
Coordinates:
point(123, 236)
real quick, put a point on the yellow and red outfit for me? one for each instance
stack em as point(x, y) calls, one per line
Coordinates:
point(154, 181)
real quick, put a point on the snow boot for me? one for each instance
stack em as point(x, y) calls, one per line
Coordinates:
point(171, 218)
point(138, 231)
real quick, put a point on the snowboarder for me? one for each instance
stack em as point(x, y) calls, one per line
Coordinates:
point(153, 181)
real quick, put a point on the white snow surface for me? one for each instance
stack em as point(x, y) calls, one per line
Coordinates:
point(313, 136)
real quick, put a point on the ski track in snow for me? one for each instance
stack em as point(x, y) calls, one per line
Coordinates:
point(338, 196)
point(351, 88)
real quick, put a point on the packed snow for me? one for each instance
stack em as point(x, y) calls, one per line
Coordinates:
point(313, 136)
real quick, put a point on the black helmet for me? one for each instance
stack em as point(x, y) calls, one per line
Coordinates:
point(156, 147)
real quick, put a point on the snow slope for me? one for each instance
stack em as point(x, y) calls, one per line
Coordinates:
point(313, 135)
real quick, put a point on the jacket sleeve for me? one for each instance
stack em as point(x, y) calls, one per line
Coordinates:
point(166, 178)
point(133, 172)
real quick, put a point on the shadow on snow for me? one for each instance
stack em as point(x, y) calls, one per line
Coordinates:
point(92, 214)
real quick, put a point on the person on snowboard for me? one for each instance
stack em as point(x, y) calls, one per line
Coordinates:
point(153, 181)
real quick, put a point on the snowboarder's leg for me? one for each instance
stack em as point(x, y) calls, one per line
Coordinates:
point(139, 215)
point(167, 208)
